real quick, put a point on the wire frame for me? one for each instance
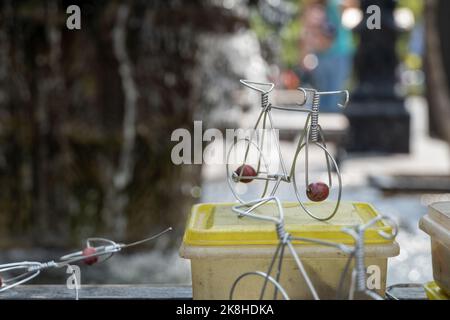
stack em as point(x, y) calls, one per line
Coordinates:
point(312, 133)
point(22, 272)
point(355, 253)
point(15, 274)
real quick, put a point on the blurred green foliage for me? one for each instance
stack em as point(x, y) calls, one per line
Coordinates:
point(289, 33)
point(416, 7)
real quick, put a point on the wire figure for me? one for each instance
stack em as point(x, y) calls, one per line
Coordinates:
point(358, 276)
point(356, 253)
point(246, 210)
point(25, 271)
point(312, 134)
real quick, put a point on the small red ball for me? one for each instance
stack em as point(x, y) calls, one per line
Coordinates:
point(1, 282)
point(90, 260)
point(247, 171)
point(317, 191)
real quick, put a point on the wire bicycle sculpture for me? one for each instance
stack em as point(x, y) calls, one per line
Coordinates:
point(356, 253)
point(242, 172)
point(15, 274)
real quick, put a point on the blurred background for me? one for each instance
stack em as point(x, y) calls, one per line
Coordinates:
point(86, 116)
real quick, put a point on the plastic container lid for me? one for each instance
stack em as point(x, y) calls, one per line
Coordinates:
point(437, 222)
point(217, 225)
point(440, 213)
point(434, 292)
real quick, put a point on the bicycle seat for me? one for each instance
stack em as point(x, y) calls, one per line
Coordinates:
point(251, 85)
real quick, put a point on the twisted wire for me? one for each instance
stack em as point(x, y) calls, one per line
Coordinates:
point(281, 232)
point(41, 266)
point(359, 262)
point(315, 117)
point(264, 100)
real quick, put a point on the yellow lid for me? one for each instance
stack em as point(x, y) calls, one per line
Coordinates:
point(434, 292)
point(217, 225)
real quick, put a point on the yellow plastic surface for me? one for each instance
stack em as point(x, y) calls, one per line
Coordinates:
point(217, 225)
point(434, 292)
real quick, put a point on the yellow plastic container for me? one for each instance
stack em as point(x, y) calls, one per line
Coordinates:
point(437, 224)
point(222, 246)
point(434, 292)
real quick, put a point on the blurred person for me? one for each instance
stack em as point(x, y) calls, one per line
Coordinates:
point(326, 48)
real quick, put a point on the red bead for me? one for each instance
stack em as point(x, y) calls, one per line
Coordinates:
point(317, 191)
point(247, 171)
point(90, 260)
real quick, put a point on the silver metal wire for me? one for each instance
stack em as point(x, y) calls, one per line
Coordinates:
point(281, 232)
point(312, 132)
point(27, 270)
point(253, 85)
point(261, 274)
point(232, 178)
point(355, 252)
point(264, 100)
point(338, 174)
point(315, 117)
point(359, 278)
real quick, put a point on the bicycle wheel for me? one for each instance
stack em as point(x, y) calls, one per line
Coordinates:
point(265, 278)
point(247, 171)
point(317, 212)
